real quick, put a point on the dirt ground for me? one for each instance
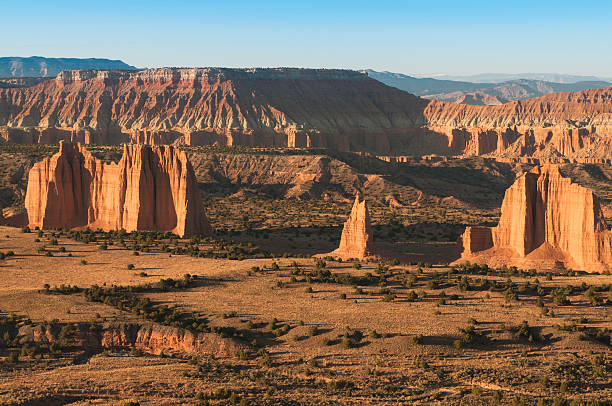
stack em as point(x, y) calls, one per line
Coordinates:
point(393, 338)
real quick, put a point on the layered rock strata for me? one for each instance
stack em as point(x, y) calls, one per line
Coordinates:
point(285, 107)
point(148, 337)
point(546, 221)
point(356, 241)
point(151, 188)
point(282, 107)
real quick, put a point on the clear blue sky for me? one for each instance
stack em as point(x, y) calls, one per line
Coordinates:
point(408, 36)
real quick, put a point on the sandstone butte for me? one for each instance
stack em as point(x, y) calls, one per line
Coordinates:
point(356, 241)
point(151, 188)
point(287, 107)
point(547, 221)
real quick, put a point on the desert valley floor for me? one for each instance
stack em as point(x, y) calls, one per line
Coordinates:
point(249, 317)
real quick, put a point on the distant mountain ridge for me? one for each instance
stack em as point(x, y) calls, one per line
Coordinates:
point(38, 66)
point(480, 93)
point(504, 77)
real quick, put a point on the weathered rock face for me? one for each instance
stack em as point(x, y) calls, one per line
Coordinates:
point(151, 188)
point(156, 339)
point(148, 337)
point(356, 240)
point(546, 220)
point(339, 109)
point(284, 107)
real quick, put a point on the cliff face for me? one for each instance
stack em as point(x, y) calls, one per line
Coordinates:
point(546, 221)
point(151, 188)
point(267, 107)
point(148, 337)
point(566, 110)
point(284, 107)
point(356, 240)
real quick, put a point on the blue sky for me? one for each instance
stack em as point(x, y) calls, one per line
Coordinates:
point(409, 36)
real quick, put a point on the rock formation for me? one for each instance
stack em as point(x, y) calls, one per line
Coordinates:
point(149, 337)
point(333, 108)
point(151, 188)
point(286, 107)
point(357, 236)
point(546, 221)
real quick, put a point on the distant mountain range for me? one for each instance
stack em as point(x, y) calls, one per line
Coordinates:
point(480, 93)
point(504, 77)
point(38, 66)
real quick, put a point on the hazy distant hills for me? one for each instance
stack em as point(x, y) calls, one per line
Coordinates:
point(38, 66)
point(484, 93)
point(504, 77)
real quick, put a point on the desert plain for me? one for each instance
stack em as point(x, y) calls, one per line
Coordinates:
point(248, 316)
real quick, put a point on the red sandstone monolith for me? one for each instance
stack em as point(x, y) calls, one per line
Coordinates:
point(546, 220)
point(356, 240)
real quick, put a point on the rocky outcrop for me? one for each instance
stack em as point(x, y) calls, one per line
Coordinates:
point(151, 188)
point(357, 236)
point(148, 337)
point(156, 339)
point(547, 220)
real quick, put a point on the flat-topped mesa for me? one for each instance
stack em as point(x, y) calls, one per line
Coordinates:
point(298, 108)
point(546, 221)
point(151, 188)
point(357, 236)
point(280, 107)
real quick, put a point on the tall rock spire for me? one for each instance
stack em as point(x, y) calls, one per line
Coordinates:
point(356, 240)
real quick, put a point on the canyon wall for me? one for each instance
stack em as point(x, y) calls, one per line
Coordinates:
point(282, 107)
point(547, 221)
point(286, 107)
point(151, 188)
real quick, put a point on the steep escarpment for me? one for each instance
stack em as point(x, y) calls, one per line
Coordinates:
point(557, 127)
point(585, 108)
point(484, 93)
point(151, 188)
point(547, 220)
point(283, 107)
point(269, 107)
